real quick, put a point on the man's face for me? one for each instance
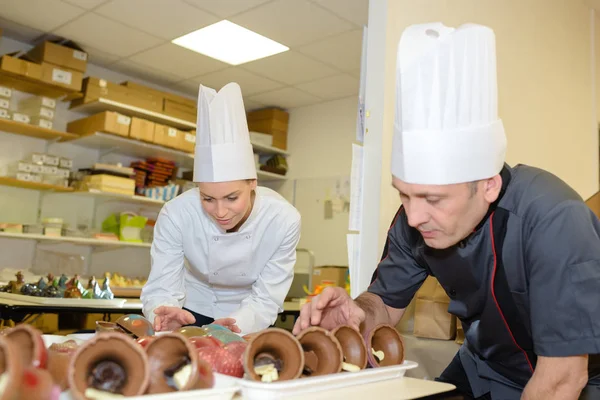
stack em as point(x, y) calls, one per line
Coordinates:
point(446, 214)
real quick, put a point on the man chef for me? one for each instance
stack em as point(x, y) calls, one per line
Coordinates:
point(239, 240)
point(515, 248)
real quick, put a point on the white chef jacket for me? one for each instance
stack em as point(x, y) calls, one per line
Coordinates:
point(244, 275)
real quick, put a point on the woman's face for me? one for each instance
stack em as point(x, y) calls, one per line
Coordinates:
point(227, 203)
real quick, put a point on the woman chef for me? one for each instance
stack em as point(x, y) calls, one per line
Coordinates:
point(239, 239)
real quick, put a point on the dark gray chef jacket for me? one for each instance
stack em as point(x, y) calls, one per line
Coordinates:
point(525, 283)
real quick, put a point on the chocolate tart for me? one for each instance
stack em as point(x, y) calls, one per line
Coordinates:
point(277, 346)
point(322, 352)
point(387, 339)
point(353, 345)
point(167, 354)
point(109, 362)
point(11, 369)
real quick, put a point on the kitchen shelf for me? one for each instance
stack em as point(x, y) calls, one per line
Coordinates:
point(132, 147)
point(119, 197)
point(6, 181)
point(103, 104)
point(33, 86)
point(262, 149)
point(269, 176)
point(73, 240)
point(19, 128)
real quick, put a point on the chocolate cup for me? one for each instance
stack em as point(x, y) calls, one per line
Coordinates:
point(11, 363)
point(387, 339)
point(135, 325)
point(37, 384)
point(31, 346)
point(164, 352)
point(59, 357)
point(280, 345)
point(114, 347)
point(104, 326)
point(353, 345)
point(328, 355)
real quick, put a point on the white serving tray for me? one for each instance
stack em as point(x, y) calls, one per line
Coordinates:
point(52, 301)
point(252, 390)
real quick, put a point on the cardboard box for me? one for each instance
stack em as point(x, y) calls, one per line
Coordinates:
point(69, 56)
point(94, 88)
point(141, 129)
point(62, 76)
point(272, 121)
point(107, 121)
point(160, 94)
point(327, 275)
point(20, 67)
point(180, 111)
point(187, 141)
point(167, 136)
point(269, 114)
point(432, 319)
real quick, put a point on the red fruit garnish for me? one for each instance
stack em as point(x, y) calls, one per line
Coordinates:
point(29, 379)
point(222, 361)
point(205, 341)
point(236, 349)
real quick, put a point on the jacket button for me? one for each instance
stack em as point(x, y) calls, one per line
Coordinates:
point(216, 239)
point(452, 292)
point(215, 273)
point(247, 236)
point(462, 244)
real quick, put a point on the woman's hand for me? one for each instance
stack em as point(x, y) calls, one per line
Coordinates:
point(228, 323)
point(171, 318)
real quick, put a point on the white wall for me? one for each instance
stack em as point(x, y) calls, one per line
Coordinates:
point(320, 143)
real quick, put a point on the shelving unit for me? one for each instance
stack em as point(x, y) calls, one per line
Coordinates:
point(102, 104)
point(262, 149)
point(73, 240)
point(269, 176)
point(6, 181)
point(19, 128)
point(120, 197)
point(33, 86)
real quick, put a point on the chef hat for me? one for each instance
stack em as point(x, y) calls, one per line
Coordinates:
point(223, 149)
point(446, 128)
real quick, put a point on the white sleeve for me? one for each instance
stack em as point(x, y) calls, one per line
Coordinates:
point(259, 310)
point(165, 284)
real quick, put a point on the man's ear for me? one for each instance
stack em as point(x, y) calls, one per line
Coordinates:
point(491, 188)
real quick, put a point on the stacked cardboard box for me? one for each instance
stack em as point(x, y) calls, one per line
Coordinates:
point(272, 121)
point(107, 121)
point(95, 88)
point(172, 105)
point(153, 172)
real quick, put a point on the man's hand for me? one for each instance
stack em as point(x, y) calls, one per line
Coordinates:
point(171, 318)
point(330, 309)
point(228, 323)
point(557, 378)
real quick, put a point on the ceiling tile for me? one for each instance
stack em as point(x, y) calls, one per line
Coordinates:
point(290, 68)
point(285, 98)
point(189, 87)
point(251, 105)
point(44, 15)
point(341, 51)
point(292, 22)
point(107, 35)
point(174, 17)
point(140, 71)
point(356, 11)
point(249, 82)
point(87, 4)
point(18, 32)
point(333, 87)
point(225, 8)
point(178, 61)
point(99, 57)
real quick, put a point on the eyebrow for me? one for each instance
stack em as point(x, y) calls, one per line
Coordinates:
point(422, 194)
point(229, 195)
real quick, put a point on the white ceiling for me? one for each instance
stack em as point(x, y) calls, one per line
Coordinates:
point(133, 37)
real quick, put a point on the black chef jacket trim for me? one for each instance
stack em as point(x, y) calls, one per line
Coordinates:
point(505, 175)
point(502, 295)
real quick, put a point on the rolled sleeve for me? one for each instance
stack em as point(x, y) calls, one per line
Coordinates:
point(259, 310)
point(398, 275)
point(165, 286)
point(563, 252)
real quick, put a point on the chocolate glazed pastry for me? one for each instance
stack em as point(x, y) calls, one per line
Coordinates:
point(322, 352)
point(59, 356)
point(11, 370)
point(174, 365)
point(353, 347)
point(30, 344)
point(109, 362)
point(385, 346)
point(276, 347)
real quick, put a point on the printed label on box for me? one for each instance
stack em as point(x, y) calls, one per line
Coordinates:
point(47, 113)
point(63, 172)
point(190, 138)
point(50, 103)
point(24, 176)
point(4, 113)
point(24, 167)
point(5, 92)
point(36, 169)
point(102, 83)
point(60, 76)
point(172, 132)
point(35, 178)
point(44, 123)
point(4, 103)
point(21, 118)
point(66, 163)
point(123, 120)
point(80, 55)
